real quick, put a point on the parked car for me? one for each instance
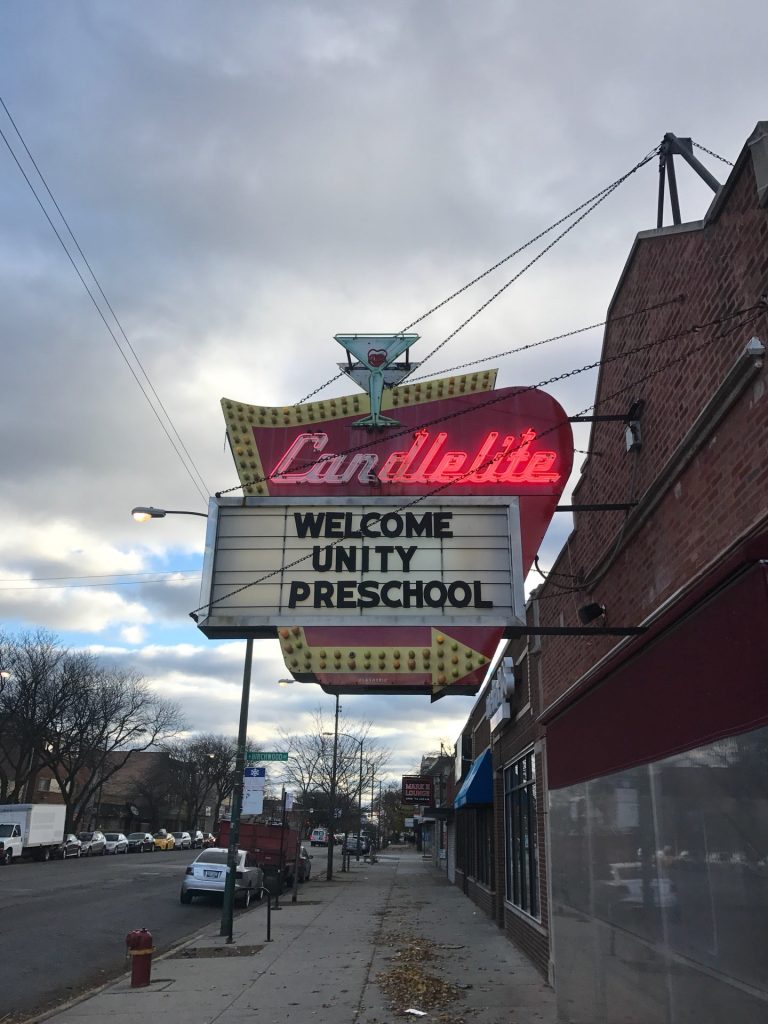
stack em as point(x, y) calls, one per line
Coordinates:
point(138, 842)
point(357, 844)
point(209, 839)
point(116, 842)
point(319, 837)
point(163, 840)
point(70, 846)
point(207, 874)
point(198, 839)
point(182, 840)
point(94, 844)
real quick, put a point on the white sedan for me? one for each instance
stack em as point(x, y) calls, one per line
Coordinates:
point(116, 842)
point(207, 874)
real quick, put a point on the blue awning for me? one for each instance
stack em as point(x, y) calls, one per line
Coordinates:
point(477, 788)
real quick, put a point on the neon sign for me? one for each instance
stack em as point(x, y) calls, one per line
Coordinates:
point(508, 459)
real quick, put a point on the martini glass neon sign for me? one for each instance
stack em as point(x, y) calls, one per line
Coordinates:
point(376, 352)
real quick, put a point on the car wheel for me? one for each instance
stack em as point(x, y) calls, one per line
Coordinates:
point(8, 857)
point(79, 852)
point(185, 897)
point(247, 898)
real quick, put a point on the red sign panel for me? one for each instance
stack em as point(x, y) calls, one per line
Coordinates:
point(516, 442)
point(417, 789)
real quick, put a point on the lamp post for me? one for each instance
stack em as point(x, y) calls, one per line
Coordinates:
point(332, 798)
point(331, 833)
point(359, 792)
point(142, 514)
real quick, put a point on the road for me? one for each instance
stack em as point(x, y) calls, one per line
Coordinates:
point(63, 924)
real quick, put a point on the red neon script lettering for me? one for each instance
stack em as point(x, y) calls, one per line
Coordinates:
point(425, 462)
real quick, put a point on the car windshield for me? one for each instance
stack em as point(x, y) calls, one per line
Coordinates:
point(178, 835)
point(212, 857)
point(137, 835)
point(112, 837)
point(84, 836)
point(5, 831)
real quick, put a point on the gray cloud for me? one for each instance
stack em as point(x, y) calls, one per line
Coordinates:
point(248, 182)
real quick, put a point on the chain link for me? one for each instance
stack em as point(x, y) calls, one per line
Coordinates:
point(711, 153)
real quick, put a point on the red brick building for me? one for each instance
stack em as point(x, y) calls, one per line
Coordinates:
point(630, 778)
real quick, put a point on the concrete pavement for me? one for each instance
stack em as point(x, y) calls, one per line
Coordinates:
point(362, 949)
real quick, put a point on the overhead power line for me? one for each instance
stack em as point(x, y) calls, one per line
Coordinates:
point(185, 458)
point(97, 576)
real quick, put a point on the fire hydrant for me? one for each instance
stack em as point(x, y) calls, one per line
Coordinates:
point(140, 950)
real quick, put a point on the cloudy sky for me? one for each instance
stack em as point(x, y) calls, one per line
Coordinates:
point(248, 179)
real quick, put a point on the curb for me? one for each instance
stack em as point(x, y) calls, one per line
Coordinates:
point(91, 992)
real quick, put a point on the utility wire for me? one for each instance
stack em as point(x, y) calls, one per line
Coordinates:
point(546, 341)
point(592, 202)
point(590, 205)
point(79, 586)
point(756, 311)
point(204, 491)
point(96, 576)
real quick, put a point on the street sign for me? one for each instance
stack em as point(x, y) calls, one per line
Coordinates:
point(266, 755)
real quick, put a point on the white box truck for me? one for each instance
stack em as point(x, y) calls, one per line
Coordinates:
point(32, 829)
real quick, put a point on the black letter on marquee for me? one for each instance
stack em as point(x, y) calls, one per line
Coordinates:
point(323, 594)
point(443, 524)
point(308, 522)
point(299, 592)
point(325, 564)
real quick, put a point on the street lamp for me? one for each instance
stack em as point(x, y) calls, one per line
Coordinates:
point(143, 513)
point(359, 792)
point(332, 808)
point(331, 832)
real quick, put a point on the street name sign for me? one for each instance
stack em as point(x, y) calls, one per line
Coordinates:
point(265, 755)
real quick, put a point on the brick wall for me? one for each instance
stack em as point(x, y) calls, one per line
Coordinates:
point(721, 493)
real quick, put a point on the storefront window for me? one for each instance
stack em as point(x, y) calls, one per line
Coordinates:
point(660, 889)
point(474, 843)
point(522, 881)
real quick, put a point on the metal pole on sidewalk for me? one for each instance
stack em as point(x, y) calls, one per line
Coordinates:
point(228, 906)
point(280, 861)
point(331, 837)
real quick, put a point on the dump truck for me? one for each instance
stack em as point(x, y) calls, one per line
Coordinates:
point(33, 830)
point(273, 845)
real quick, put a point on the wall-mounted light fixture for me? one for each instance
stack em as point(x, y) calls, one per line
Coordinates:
point(590, 612)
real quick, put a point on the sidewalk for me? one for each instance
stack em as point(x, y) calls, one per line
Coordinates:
point(396, 922)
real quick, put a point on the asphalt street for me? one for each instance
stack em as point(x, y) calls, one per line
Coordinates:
point(64, 923)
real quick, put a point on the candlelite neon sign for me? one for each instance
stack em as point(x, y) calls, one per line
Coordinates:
point(508, 461)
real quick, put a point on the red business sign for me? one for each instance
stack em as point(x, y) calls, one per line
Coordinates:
point(373, 612)
point(417, 789)
point(454, 440)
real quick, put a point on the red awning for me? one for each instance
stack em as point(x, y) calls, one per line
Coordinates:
point(697, 679)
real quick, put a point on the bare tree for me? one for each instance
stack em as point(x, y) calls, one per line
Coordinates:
point(27, 664)
point(202, 771)
point(97, 718)
point(309, 769)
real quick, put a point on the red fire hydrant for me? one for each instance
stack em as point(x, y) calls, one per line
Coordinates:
point(140, 950)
